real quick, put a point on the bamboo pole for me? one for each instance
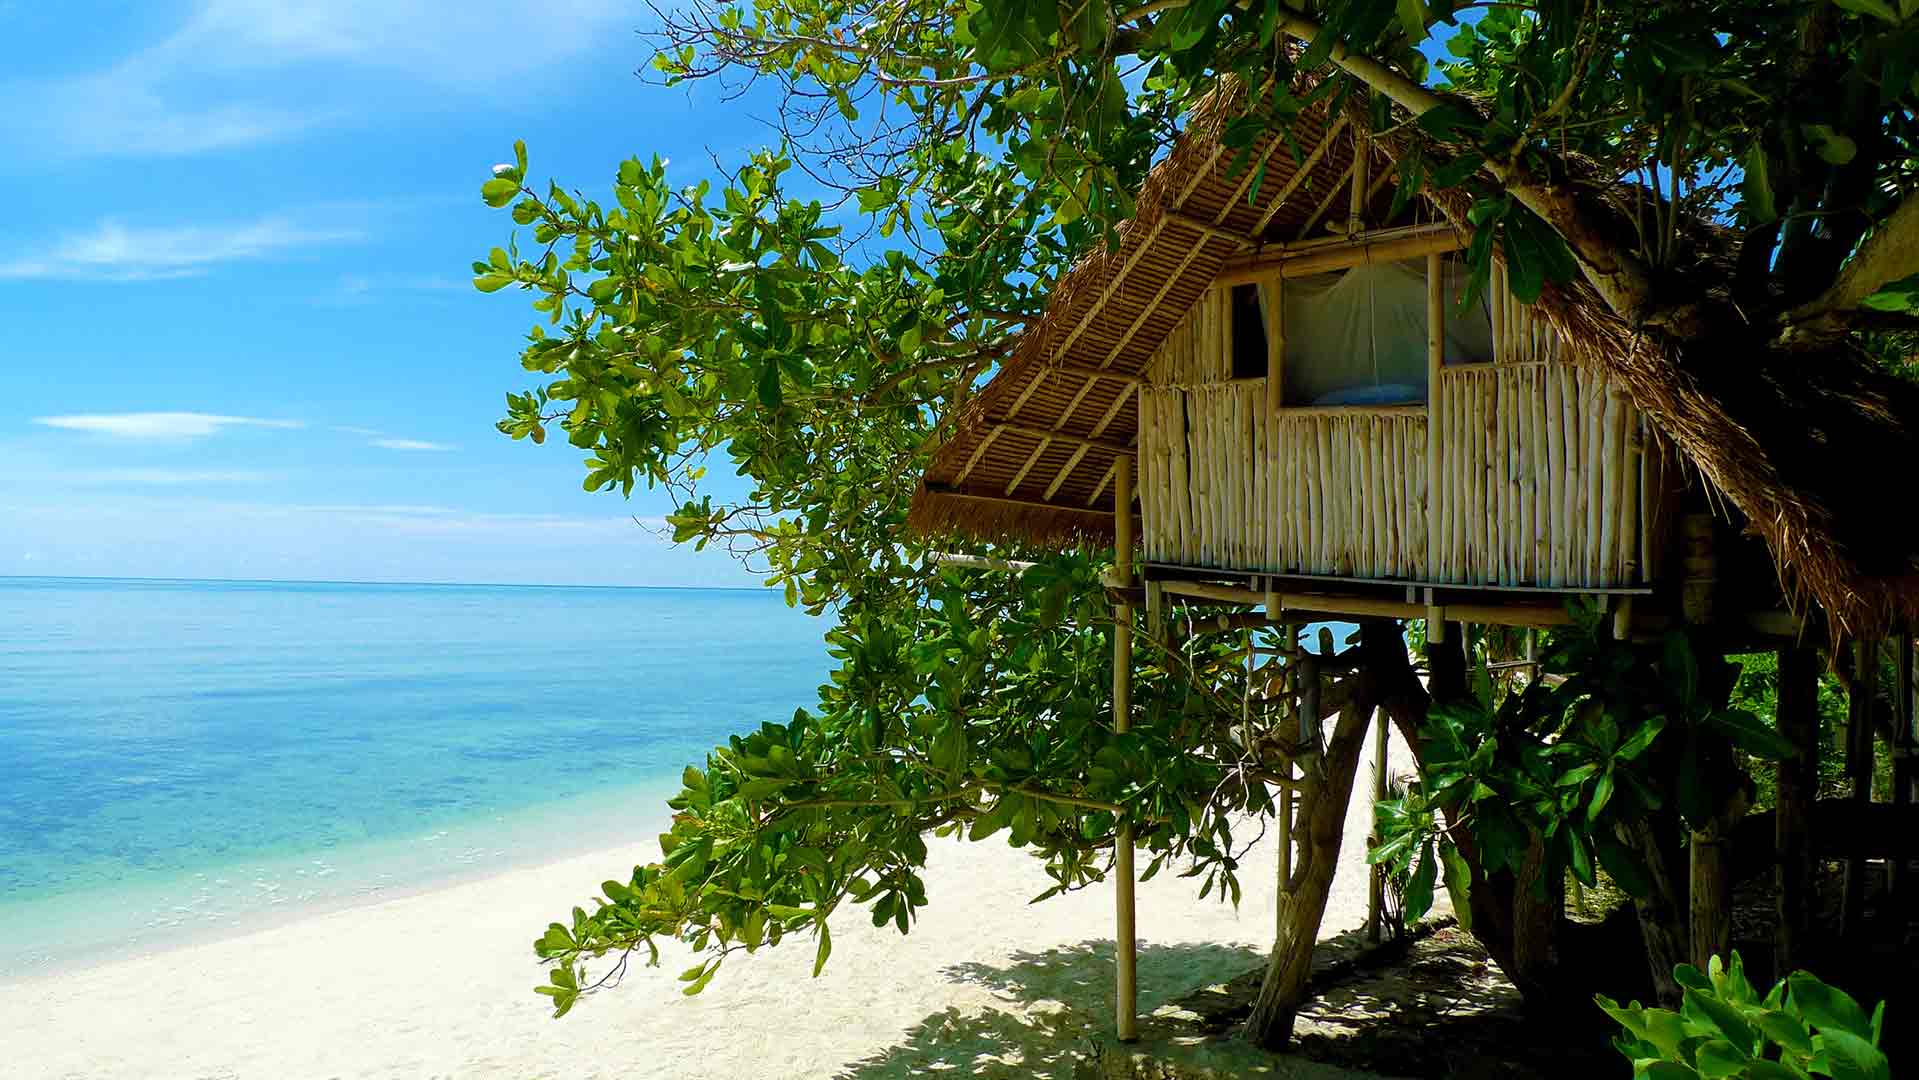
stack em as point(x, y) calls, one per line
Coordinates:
point(1542, 480)
point(1555, 482)
point(1275, 344)
point(1608, 508)
point(1376, 895)
point(1125, 931)
point(1797, 784)
point(1865, 682)
point(1902, 757)
point(1320, 260)
point(1290, 644)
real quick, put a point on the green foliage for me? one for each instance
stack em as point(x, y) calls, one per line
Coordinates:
point(1614, 733)
point(1725, 1028)
point(957, 157)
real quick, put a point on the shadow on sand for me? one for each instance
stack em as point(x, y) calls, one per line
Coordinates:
point(1054, 1022)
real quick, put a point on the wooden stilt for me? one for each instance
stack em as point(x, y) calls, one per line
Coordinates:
point(1125, 938)
point(1290, 631)
point(1376, 896)
point(1865, 683)
point(1797, 785)
point(1903, 725)
point(1435, 430)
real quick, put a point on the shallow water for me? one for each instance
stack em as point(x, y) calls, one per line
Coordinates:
point(185, 758)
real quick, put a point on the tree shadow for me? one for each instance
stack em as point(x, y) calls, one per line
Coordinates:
point(1052, 1020)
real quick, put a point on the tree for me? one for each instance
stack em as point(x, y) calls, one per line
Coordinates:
point(958, 156)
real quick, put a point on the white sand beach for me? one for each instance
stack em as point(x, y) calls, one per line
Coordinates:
point(440, 984)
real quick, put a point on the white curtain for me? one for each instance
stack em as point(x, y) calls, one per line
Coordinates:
point(1358, 336)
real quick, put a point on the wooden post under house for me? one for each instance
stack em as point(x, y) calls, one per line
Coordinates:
point(1797, 786)
point(1865, 684)
point(1904, 723)
point(1376, 894)
point(1125, 935)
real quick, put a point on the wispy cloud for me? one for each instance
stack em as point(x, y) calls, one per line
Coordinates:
point(412, 444)
point(115, 251)
point(158, 425)
point(195, 478)
point(231, 74)
point(358, 286)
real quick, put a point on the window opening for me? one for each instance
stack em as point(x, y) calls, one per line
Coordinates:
point(1358, 336)
point(1249, 332)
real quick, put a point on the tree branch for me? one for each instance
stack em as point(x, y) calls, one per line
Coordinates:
point(1889, 254)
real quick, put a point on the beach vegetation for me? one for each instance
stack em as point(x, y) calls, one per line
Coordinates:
point(814, 317)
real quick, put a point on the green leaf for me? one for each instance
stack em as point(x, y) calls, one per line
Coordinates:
point(1716, 1058)
point(499, 191)
point(1757, 186)
point(1867, 1060)
point(1876, 8)
point(1459, 878)
point(1580, 855)
point(1622, 863)
point(1706, 1008)
point(1827, 1007)
point(1665, 1070)
point(1641, 739)
point(1450, 120)
point(1602, 793)
point(1832, 147)
point(825, 948)
point(1786, 1030)
point(770, 395)
point(1419, 891)
point(1412, 19)
point(1751, 734)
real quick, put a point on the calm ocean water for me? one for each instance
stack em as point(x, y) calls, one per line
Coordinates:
point(184, 758)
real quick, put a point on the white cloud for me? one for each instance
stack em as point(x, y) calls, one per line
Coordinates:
point(114, 251)
point(359, 285)
point(148, 477)
point(242, 72)
point(411, 444)
point(158, 425)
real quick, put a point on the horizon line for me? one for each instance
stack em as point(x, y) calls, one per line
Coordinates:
point(339, 581)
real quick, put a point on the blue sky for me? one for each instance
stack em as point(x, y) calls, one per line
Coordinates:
point(241, 340)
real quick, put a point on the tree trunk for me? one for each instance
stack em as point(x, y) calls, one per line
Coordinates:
point(1711, 893)
point(1534, 919)
point(1325, 791)
point(1662, 911)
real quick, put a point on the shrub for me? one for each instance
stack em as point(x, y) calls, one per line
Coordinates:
point(1724, 1028)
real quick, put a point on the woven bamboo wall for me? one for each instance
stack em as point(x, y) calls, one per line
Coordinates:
point(1225, 483)
point(1544, 476)
point(1197, 351)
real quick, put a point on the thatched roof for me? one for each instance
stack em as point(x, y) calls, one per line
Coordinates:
point(1800, 450)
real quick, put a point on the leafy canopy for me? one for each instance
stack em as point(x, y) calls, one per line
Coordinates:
point(815, 317)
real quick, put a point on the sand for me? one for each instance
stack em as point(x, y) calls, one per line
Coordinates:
point(440, 984)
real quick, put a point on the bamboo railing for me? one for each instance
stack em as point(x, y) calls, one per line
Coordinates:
point(1543, 478)
point(1224, 482)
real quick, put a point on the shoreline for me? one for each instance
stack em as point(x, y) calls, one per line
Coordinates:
point(440, 983)
point(642, 802)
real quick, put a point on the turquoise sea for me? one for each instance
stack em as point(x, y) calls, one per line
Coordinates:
point(183, 759)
